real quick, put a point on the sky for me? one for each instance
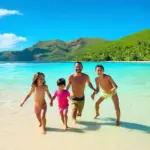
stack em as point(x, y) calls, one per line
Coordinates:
point(25, 22)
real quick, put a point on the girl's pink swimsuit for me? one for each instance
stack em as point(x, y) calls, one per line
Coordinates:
point(62, 100)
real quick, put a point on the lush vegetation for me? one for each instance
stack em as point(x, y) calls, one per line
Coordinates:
point(135, 47)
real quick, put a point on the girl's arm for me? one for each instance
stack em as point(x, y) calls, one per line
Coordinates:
point(90, 84)
point(29, 94)
point(51, 103)
point(48, 93)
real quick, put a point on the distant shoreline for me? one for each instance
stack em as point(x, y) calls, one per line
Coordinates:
point(4, 62)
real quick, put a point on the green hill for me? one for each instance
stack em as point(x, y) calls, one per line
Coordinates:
point(135, 47)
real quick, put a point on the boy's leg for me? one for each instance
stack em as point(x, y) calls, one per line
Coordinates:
point(117, 108)
point(43, 119)
point(98, 102)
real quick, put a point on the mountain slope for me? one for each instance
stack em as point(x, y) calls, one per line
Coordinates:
point(132, 47)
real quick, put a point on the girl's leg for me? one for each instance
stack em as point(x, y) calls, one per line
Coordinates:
point(38, 115)
point(43, 119)
point(98, 102)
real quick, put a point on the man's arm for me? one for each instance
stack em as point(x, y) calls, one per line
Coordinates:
point(97, 85)
point(90, 84)
point(69, 83)
point(97, 89)
point(113, 83)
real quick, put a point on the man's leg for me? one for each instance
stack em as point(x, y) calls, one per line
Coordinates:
point(98, 102)
point(80, 108)
point(117, 108)
point(74, 112)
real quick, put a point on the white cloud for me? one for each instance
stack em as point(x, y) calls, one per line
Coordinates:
point(6, 12)
point(10, 40)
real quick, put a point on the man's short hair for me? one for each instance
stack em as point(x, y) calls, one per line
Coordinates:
point(78, 62)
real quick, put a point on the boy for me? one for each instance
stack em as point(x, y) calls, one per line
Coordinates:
point(109, 91)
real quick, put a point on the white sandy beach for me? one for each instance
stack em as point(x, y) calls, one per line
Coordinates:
point(19, 131)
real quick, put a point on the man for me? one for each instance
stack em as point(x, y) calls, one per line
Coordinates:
point(78, 81)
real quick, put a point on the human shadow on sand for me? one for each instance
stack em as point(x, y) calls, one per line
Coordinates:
point(75, 130)
point(127, 125)
point(90, 125)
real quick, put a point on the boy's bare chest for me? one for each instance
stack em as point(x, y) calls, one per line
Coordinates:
point(104, 82)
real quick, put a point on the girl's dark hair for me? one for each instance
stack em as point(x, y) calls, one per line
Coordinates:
point(61, 81)
point(36, 77)
point(99, 66)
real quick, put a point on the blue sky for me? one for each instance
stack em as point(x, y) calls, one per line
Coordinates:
point(35, 20)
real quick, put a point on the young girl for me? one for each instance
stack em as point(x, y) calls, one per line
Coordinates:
point(39, 88)
point(62, 96)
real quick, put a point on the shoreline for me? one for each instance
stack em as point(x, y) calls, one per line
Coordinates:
point(5, 62)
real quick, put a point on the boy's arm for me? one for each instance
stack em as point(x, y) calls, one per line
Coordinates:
point(69, 83)
point(113, 83)
point(48, 93)
point(90, 84)
point(29, 94)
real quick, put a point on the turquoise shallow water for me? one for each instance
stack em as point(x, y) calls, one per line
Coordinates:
point(133, 80)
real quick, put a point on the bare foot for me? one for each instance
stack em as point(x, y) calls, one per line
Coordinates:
point(79, 115)
point(73, 122)
point(40, 124)
point(117, 123)
point(43, 131)
point(96, 116)
point(65, 127)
